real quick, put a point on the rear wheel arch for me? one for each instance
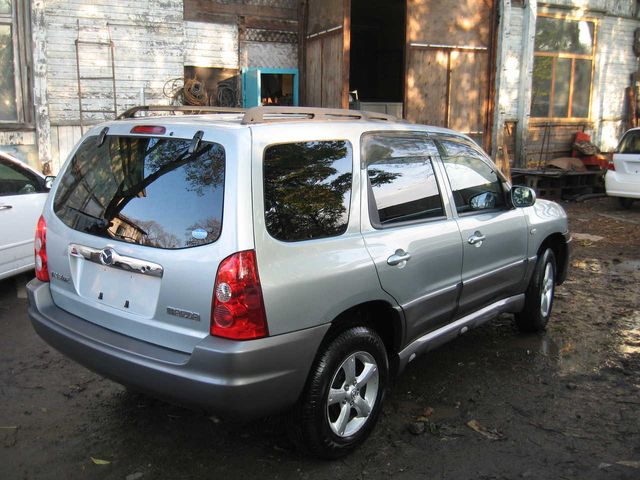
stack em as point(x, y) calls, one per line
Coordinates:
point(378, 315)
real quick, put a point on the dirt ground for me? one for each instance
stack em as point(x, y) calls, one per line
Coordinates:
point(561, 405)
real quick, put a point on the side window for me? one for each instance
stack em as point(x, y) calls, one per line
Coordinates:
point(15, 181)
point(474, 182)
point(402, 182)
point(307, 189)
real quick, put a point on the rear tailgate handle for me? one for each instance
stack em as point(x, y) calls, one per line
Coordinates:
point(6, 207)
point(110, 258)
point(399, 257)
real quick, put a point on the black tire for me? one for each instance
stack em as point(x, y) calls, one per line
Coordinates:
point(536, 313)
point(311, 423)
point(625, 203)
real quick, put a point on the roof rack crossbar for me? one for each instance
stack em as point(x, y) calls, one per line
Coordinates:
point(194, 110)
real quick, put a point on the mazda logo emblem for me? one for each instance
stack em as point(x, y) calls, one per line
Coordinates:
point(106, 256)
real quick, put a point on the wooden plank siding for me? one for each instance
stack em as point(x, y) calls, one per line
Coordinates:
point(468, 22)
point(63, 140)
point(211, 45)
point(324, 76)
point(542, 147)
point(449, 64)
point(332, 75)
point(426, 86)
point(469, 83)
point(261, 15)
point(149, 50)
point(324, 15)
point(327, 41)
point(208, 10)
point(313, 72)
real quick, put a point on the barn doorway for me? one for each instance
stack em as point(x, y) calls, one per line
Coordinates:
point(376, 70)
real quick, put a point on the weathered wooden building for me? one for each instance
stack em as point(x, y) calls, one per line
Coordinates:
point(521, 74)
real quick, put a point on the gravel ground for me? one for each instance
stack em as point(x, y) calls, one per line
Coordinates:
point(561, 405)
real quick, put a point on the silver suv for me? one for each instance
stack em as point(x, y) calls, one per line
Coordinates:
point(284, 259)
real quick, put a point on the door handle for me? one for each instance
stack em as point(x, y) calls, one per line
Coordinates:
point(476, 239)
point(5, 207)
point(398, 257)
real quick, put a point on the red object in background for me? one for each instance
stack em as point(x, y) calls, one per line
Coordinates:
point(580, 137)
point(598, 161)
point(595, 161)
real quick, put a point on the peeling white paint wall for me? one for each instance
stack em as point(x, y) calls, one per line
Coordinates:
point(510, 73)
point(152, 43)
point(615, 62)
point(211, 45)
point(149, 50)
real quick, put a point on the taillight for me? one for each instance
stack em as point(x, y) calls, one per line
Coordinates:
point(40, 247)
point(611, 166)
point(238, 308)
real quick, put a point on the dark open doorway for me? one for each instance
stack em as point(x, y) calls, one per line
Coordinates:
point(377, 54)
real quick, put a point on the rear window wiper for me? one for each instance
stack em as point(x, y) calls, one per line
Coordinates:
point(100, 222)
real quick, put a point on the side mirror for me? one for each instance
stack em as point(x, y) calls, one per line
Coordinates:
point(522, 197)
point(483, 201)
point(48, 181)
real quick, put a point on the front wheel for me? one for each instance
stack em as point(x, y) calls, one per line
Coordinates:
point(344, 393)
point(539, 295)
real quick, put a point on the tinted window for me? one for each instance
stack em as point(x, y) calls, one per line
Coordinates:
point(401, 179)
point(475, 183)
point(147, 191)
point(17, 181)
point(307, 189)
point(630, 143)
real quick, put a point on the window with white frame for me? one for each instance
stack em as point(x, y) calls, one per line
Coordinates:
point(562, 69)
point(15, 95)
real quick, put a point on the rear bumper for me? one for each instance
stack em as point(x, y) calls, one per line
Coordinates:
point(622, 185)
point(240, 379)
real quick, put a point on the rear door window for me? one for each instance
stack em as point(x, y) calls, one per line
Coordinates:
point(402, 181)
point(307, 189)
point(147, 191)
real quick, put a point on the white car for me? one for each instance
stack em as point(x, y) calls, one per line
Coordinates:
point(623, 177)
point(23, 192)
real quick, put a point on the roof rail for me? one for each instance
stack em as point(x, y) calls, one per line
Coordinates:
point(268, 114)
point(187, 109)
point(282, 114)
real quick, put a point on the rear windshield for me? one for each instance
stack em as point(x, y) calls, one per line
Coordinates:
point(630, 143)
point(147, 191)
